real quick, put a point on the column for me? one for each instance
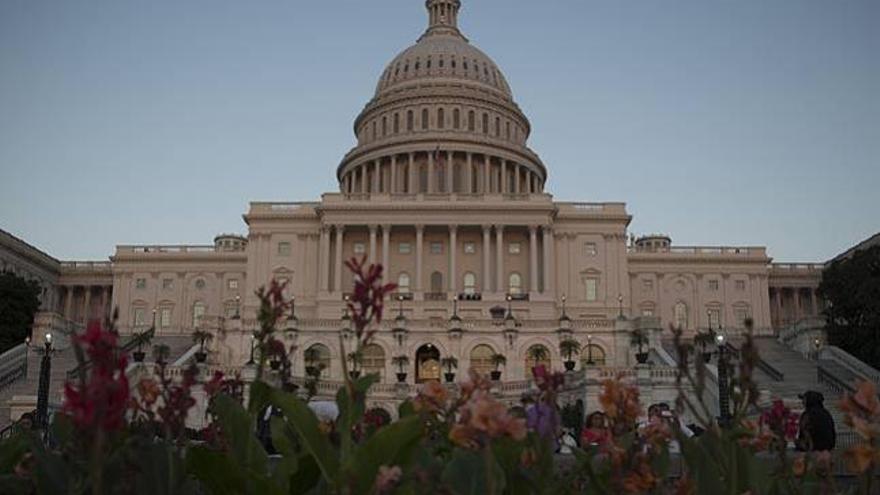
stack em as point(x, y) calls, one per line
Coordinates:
point(548, 259)
point(486, 285)
point(376, 175)
point(411, 171)
point(516, 185)
point(450, 173)
point(453, 248)
point(798, 312)
point(420, 240)
point(499, 259)
point(87, 301)
point(469, 174)
point(337, 274)
point(487, 175)
point(363, 174)
point(503, 184)
point(386, 250)
point(815, 309)
point(533, 257)
point(372, 257)
point(324, 259)
point(104, 311)
point(431, 172)
point(393, 188)
point(68, 300)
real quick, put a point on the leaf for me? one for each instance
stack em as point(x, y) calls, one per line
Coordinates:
point(473, 473)
point(306, 476)
point(351, 410)
point(216, 471)
point(387, 447)
point(238, 428)
point(303, 420)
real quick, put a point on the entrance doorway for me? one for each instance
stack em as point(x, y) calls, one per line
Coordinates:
point(427, 364)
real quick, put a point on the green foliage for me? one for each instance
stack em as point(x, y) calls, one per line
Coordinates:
point(569, 348)
point(19, 302)
point(851, 289)
point(498, 360)
point(450, 363)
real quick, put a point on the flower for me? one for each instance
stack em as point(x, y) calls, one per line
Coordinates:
point(862, 410)
point(620, 401)
point(799, 466)
point(387, 478)
point(482, 418)
point(366, 302)
point(861, 457)
point(431, 398)
point(781, 421)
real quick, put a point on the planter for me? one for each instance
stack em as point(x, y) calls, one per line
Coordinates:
point(354, 374)
point(312, 371)
point(642, 357)
point(401, 378)
point(496, 375)
point(569, 366)
point(450, 377)
point(275, 365)
point(201, 357)
point(138, 356)
point(707, 356)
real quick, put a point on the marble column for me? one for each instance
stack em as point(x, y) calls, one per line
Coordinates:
point(87, 302)
point(324, 259)
point(337, 274)
point(503, 183)
point(516, 183)
point(533, 258)
point(453, 248)
point(420, 241)
point(487, 175)
point(469, 174)
point(499, 259)
point(68, 301)
point(450, 173)
point(548, 258)
point(373, 258)
point(412, 174)
point(486, 285)
point(363, 174)
point(393, 188)
point(386, 251)
point(431, 172)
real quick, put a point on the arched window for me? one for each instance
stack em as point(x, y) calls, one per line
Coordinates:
point(515, 283)
point(456, 119)
point(373, 360)
point(507, 130)
point(409, 120)
point(441, 118)
point(436, 282)
point(471, 120)
point(470, 283)
point(199, 309)
point(681, 315)
point(593, 355)
point(318, 357)
point(536, 355)
point(403, 283)
point(424, 118)
point(481, 359)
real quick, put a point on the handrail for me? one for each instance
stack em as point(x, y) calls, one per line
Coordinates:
point(850, 362)
point(135, 341)
point(14, 365)
point(6, 432)
point(827, 378)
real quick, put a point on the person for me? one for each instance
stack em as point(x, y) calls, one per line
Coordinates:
point(596, 432)
point(816, 426)
point(26, 422)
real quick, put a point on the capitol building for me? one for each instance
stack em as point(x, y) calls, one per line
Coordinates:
point(444, 191)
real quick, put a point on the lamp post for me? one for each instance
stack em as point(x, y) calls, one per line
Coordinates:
point(723, 390)
point(620, 307)
point(589, 349)
point(43, 387)
point(563, 306)
point(237, 314)
point(817, 344)
point(251, 361)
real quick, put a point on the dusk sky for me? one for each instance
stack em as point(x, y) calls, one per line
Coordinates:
point(748, 122)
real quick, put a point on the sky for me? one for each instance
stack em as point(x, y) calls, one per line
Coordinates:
point(728, 122)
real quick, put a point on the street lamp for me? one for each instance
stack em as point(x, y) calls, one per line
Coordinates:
point(817, 344)
point(237, 314)
point(620, 306)
point(723, 385)
point(589, 349)
point(43, 386)
point(251, 361)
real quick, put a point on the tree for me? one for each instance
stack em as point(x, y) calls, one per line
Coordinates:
point(851, 289)
point(19, 302)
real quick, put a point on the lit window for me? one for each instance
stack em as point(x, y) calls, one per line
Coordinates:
point(515, 284)
point(283, 249)
point(592, 289)
point(232, 284)
point(680, 312)
point(403, 283)
point(470, 283)
point(740, 285)
point(590, 249)
point(648, 312)
point(373, 360)
point(198, 313)
point(230, 311)
point(481, 359)
point(713, 284)
point(404, 248)
point(167, 283)
point(648, 285)
point(359, 248)
point(436, 248)
point(140, 283)
point(140, 317)
point(514, 248)
point(470, 248)
point(165, 318)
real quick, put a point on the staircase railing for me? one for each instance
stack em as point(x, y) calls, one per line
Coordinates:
point(850, 362)
point(13, 365)
point(136, 341)
point(828, 379)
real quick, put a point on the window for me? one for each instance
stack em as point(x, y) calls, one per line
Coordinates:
point(283, 249)
point(713, 284)
point(594, 353)
point(514, 283)
point(396, 123)
point(425, 118)
point(591, 286)
point(471, 120)
point(740, 315)
point(404, 248)
point(200, 283)
point(140, 317)
point(436, 248)
point(456, 118)
point(373, 360)
point(497, 127)
point(140, 283)
point(385, 125)
point(680, 314)
point(403, 283)
point(409, 120)
point(740, 285)
point(359, 248)
point(507, 131)
point(232, 284)
point(470, 248)
point(714, 315)
point(590, 249)
point(441, 118)
point(648, 312)
point(167, 283)
point(485, 123)
point(165, 317)
point(514, 248)
point(481, 359)
point(470, 283)
point(198, 312)
point(647, 285)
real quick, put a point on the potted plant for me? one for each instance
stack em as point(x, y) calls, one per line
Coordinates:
point(639, 340)
point(139, 354)
point(569, 348)
point(311, 357)
point(537, 354)
point(498, 360)
point(401, 362)
point(161, 353)
point(355, 358)
point(201, 337)
point(704, 340)
point(450, 363)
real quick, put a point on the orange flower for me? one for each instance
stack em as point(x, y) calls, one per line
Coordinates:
point(431, 398)
point(620, 401)
point(482, 418)
point(148, 390)
point(861, 457)
point(799, 466)
point(640, 480)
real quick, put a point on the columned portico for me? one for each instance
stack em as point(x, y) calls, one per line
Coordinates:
point(499, 259)
point(487, 259)
point(453, 247)
point(337, 274)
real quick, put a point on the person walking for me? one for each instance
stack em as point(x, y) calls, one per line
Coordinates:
point(816, 426)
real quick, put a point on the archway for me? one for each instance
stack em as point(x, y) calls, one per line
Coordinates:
point(427, 364)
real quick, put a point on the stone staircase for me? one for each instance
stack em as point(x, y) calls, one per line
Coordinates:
point(63, 361)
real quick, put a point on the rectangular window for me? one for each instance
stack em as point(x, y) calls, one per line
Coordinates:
point(359, 248)
point(470, 248)
point(167, 283)
point(647, 312)
point(714, 317)
point(713, 284)
point(283, 249)
point(514, 248)
point(140, 317)
point(590, 249)
point(648, 285)
point(436, 248)
point(592, 289)
point(140, 283)
point(232, 284)
point(741, 315)
point(230, 311)
point(404, 248)
point(740, 285)
point(165, 318)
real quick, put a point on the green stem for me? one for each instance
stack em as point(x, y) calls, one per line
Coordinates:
point(97, 464)
point(490, 480)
